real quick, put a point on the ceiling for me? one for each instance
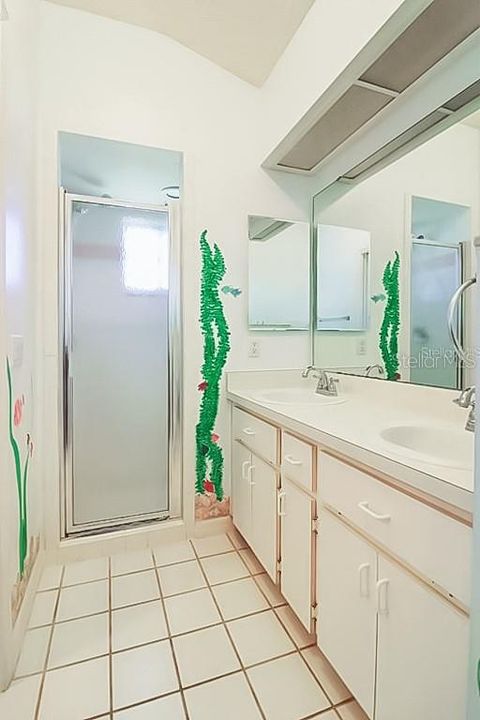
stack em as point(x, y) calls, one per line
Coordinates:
point(245, 37)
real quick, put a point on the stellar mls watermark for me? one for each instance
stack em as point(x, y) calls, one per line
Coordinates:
point(438, 358)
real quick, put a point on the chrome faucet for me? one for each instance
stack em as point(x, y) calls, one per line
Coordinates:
point(370, 368)
point(466, 399)
point(326, 385)
point(308, 370)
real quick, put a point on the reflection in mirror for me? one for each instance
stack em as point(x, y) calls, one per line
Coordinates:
point(279, 260)
point(425, 206)
point(342, 252)
point(439, 232)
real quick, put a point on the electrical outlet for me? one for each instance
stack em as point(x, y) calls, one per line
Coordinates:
point(361, 346)
point(254, 349)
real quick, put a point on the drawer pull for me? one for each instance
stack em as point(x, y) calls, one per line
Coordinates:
point(249, 475)
point(244, 469)
point(280, 505)
point(382, 597)
point(364, 506)
point(248, 431)
point(291, 460)
point(364, 580)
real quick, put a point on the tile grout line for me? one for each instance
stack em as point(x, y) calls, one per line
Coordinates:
point(245, 675)
point(49, 648)
point(110, 657)
point(174, 637)
point(172, 648)
point(140, 570)
point(299, 649)
point(148, 642)
point(271, 607)
point(251, 575)
point(152, 600)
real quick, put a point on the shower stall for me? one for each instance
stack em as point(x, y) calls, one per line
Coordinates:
point(121, 363)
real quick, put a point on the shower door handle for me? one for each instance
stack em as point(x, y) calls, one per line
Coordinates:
point(67, 399)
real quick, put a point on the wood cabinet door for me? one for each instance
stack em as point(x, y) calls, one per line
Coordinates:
point(263, 486)
point(241, 490)
point(347, 621)
point(422, 656)
point(296, 548)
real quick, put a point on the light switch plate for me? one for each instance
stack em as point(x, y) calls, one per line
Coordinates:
point(17, 344)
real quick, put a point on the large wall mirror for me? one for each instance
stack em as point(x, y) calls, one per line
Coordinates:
point(415, 218)
point(279, 277)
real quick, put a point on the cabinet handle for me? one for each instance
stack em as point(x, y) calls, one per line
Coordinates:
point(382, 597)
point(280, 505)
point(244, 469)
point(364, 506)
point(250, 470)
point(248, 431)
point(292, 461)
point(364, 579)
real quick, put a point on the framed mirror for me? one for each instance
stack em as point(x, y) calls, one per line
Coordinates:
point(279, 275)
point(398, 243)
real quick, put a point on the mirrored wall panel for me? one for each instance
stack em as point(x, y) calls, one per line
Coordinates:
point(279, 275)
point(342, 252)
point(391, 252)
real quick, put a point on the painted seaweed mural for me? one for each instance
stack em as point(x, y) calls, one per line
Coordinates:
point(216, 345)
point(391, 319)
point(15, 414)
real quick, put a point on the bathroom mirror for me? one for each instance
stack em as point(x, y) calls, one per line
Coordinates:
point(342, 252)
point(279, 287)
point(414, 220)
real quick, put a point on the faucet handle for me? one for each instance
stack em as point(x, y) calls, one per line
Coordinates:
point(332, 385)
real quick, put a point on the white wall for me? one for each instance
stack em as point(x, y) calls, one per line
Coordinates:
point(445, 168)
point(108, 79)
point(160, 94)
point(18, 242)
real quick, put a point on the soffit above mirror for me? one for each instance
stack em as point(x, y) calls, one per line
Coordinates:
point(375, 82)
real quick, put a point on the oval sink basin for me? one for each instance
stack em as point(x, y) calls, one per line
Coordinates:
point(447, 447)
point(297, 396)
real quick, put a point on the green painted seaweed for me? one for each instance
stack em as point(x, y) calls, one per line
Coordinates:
point(216, 345)
point(391, 319)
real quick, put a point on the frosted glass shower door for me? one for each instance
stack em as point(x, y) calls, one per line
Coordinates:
point(436, 272)
point(117, 345)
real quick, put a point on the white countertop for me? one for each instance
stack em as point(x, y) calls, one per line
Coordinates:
point(354, 427)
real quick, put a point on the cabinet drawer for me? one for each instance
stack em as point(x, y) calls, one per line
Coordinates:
point(297, 460)
point(258, 435)
point(436, 545)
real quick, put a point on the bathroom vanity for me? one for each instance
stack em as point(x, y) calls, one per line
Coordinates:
point(359, 508)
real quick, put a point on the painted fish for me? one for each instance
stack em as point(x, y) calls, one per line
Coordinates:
point(229, 290)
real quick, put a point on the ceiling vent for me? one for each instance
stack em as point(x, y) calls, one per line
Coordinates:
point(442, 26)
point(416, 134)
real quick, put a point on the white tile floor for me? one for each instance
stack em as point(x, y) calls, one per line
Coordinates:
point(191, 631)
